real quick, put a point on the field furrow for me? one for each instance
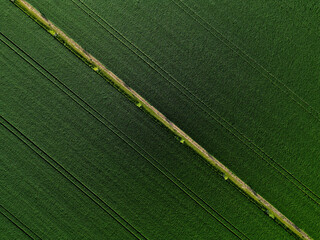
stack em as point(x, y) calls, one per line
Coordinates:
point(13, 228)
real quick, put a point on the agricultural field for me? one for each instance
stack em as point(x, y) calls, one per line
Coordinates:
point(9, 230)
point(80, 160)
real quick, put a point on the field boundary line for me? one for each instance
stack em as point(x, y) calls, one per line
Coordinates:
point(230, 128)
point(72, 179)
point(164, 171)
point(245, 56)
point(20, 225)
point(143, 104)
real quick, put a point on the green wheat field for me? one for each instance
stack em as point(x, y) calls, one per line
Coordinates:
point(79, 159)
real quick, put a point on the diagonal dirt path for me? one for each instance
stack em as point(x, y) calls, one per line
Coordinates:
point(143, 104)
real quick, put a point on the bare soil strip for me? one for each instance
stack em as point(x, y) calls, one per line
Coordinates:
point(142, 103)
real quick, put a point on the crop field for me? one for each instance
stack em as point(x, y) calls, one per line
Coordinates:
point(81, 159)
point(9, 230)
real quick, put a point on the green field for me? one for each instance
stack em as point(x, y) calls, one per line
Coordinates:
point(106, 155)
point(79, 159)
point(11, 230)
point(290, 32)
point(242, 118)
point(48, 204)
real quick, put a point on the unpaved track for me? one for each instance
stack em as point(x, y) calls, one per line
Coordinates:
point(142, 103)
